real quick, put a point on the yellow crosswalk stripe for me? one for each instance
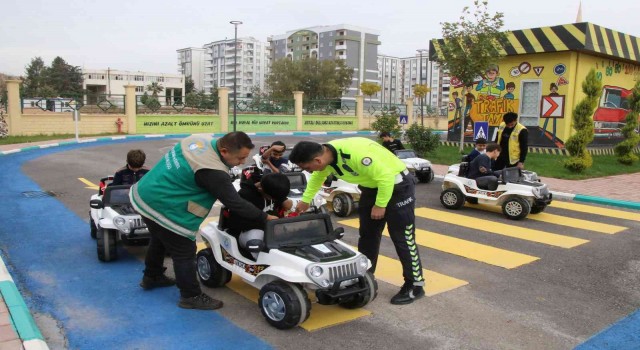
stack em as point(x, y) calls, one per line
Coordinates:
point(560, 220)
point(471, 250)
point(90, 185)
point(500, 228)
point(618, 214)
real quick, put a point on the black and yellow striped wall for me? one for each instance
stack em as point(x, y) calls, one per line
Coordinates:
point(582, 37)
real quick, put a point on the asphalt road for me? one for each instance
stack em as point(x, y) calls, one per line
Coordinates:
point(556, 301)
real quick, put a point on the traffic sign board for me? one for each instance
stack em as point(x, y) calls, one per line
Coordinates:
point(552, 106)
point(480, 130)
point(404, 119)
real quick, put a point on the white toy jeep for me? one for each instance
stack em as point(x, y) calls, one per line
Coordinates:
point(342, 197)
point(112, 219)
point(298, 254)
point(517, 195)
point(420, 168)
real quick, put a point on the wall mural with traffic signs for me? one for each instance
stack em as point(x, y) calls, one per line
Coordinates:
point(540, 78)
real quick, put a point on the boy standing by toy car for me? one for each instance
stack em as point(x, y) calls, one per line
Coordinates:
point(133, 171)
point(390, 143)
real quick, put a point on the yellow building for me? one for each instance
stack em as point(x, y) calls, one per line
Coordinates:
point(540, 78)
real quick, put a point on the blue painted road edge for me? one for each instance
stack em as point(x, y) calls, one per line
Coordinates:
point(622, 335)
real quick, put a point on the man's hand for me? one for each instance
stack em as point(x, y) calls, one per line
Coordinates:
point(377, 213)
point(302, 207)
point(271, 217)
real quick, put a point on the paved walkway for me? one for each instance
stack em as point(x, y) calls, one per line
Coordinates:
point(619, 190)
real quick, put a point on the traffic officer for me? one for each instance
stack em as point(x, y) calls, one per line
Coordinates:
point(388, 197)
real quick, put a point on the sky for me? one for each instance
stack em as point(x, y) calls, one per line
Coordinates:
point(143, 35)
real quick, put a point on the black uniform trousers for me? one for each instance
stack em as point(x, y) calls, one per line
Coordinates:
point(400, 218)
point(183, 254)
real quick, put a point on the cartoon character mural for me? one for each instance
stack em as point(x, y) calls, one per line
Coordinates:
point(492, 85)
point(609, 117)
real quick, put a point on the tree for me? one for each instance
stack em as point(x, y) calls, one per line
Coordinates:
point(370, 89)
point(421, 90)
point(624, 149)
point(387, 122)
point(34, 78)
point(189, 85)
point(63, 78)
point(583, 123)
point(423, 140)
point(326, 79)
point(155, 88)
point(470, 46)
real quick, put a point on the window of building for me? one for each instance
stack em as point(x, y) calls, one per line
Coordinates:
point(330, 43)
point(530, 94)
point(161, 79)
point(139, 78)
point(139, 88)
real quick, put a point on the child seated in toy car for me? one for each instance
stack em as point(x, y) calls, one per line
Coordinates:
point(480, 168)
point(268, 194)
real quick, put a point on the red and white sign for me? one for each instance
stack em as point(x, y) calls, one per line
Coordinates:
point(552, 106)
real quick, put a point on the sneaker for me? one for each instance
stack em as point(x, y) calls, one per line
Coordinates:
point(200, 302)
point(407, 294)
point(156, 282)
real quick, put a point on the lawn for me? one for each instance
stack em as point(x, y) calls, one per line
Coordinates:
point(547, 165)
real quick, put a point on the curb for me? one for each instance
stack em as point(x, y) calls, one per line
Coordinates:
point(21, 319)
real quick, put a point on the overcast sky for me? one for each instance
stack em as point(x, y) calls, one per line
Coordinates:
point(143, 35)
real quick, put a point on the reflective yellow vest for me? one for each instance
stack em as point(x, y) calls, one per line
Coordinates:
point(514, 145)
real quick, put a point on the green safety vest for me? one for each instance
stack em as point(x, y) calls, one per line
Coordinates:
point(363, 162)
point(169, 195)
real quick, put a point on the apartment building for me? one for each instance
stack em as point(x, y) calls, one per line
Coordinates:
point(398, 75)
point(191, 64)
point(358, 46)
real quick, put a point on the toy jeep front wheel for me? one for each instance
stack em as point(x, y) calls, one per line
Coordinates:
point(516, 208)
point(452, 198)
point(365, 297)
point(536, 209)
point(342, 204)
point(106, 242)
point(284, 305)
point(94, 229)
point(210, 272)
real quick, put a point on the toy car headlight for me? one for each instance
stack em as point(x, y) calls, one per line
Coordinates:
point(121, 224)
point(363, 263)
point(536, 192)
point(316, 271)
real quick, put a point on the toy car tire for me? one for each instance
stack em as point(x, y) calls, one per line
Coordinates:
point(516, 208)
point(364, 298)
point(342, 204)
point(106, 242)
point(426, 178)
point(284, 305)
point(210, 272)
point(94, 229)
point(536, 209)
point(452, 198)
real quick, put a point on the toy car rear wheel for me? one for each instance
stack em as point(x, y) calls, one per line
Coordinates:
point(426, 178)
point(284, 305)
point(452, 198)
point(94, 229)
point(342, 204)
point(106, 242)
point(536, 209)
point(516, 208)
point(210, 272)
point(365, 297)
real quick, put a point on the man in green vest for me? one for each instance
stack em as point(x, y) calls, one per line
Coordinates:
point(513, 140)
point(175, 197)
point(388, 197)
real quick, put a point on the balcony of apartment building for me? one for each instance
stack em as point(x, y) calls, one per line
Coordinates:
point(341, 45)
point(341, 55)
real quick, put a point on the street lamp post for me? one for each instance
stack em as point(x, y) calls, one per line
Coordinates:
point(235, 71)
point(421, 97)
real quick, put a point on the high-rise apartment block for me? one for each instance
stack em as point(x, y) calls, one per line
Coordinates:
point(248, 64)
point(191, 64)
point(356, 45)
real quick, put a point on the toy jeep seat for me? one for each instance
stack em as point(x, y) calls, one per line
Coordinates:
point(464, 169)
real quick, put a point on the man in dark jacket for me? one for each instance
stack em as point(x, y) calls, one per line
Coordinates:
point(390, 143)
point(481, 165)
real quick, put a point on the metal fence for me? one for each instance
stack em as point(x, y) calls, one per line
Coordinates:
point(191, 104)
point(376, 108)
point(326, 107)
point(85, 103)
point(263, 106)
